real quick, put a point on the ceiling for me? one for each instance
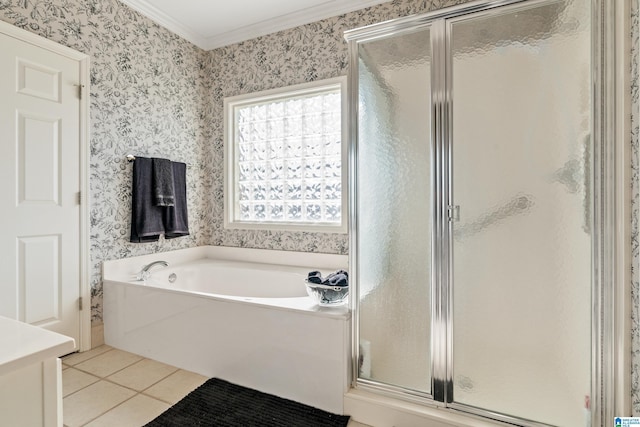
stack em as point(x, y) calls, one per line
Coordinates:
point(210, 24)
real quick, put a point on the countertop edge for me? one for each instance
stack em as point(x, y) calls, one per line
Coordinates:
point(52, 345)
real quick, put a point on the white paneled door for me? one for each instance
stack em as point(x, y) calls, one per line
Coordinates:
point(40, 262)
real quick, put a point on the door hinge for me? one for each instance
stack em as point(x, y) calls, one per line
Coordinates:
point(79, 197)
point(80, 303)
point(80, 87)
point(453, 212)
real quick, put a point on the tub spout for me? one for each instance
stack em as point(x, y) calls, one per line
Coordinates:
point(146, 270)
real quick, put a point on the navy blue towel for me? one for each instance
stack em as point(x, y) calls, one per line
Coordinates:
point(146, 218)
point(163, 182)
point(176, 222)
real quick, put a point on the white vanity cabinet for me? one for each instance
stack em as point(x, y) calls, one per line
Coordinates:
point(31, 374)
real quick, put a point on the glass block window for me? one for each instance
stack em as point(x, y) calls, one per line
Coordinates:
point(284, 153)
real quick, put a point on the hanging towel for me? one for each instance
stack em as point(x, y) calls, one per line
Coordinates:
point(146, 217)
point(175, 217)
point(163, 182)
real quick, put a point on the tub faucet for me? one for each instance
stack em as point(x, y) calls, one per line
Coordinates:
point(146, 270)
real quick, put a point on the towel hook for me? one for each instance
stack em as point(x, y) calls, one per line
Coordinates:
point(130, 158)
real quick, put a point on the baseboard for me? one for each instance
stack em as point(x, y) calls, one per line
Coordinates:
point(97, 335)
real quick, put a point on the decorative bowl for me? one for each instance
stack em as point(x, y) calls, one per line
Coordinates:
point(327, 295)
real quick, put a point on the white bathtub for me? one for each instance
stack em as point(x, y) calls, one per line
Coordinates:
point(238, 314)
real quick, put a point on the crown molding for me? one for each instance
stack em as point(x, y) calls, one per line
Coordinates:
point(282, 22)
point(166, 21)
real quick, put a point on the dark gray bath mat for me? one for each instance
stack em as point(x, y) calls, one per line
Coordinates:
point(222, 404)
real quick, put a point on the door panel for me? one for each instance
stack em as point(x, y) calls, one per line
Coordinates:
point(394, 186)
point(38, 159)
point(40, 134)
point(41, 289)
point(521, 144)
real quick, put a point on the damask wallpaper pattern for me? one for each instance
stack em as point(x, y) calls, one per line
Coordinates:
point(155, 94)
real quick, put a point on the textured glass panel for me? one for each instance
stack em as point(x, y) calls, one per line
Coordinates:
point(275, 128)
point(275, 111)
point(313, 190)
point(333, 211)
point(276, 211)
point(331, 122)
point(244, 135)
point(312, 123)
point(313, 211)
point(294, 170)
point(313, 168)
point(259, 112)
point(293, 211)
point(260, 211)
point(276, 191)
point(313, 146)
point(294, 191)
point(244, 152)
point(258, 131)
point(333, 168)
point(333, 189)
point(285, 149)
point(260, 151)
point(522, 247)
point(293, 127)
point(259, 191)
point(260, 171)
point(244, 116)
point(245, 192)
point(276, 149)
point(245, 211)
point(293, 107)
point(394, 210)
point(246, 171)
point(293, 147)
point(276, 169)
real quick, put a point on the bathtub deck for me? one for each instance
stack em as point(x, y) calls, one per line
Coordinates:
point(109, 387)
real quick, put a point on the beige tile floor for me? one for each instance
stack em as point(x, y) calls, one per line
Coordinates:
point(107, 387)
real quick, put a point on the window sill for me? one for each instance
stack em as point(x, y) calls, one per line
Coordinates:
point(269, 226)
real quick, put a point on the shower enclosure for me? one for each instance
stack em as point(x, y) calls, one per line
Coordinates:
point(478, 211)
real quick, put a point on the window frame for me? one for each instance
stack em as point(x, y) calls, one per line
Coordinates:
point(231, 173)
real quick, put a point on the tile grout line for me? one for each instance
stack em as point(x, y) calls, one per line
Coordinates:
point(112, 373)
point(102, 378)
point(80, 389)
point(92, 357)
point(108, 410)
point(163, 378)
point(106, 379)
point(133, 389)
point(137, 393)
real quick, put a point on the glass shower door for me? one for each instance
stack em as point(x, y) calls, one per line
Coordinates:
point(521, 146)
point(394, 210)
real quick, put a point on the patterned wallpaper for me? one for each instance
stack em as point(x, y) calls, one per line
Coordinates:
point(153, 93)
point(146, 99)
point(310, 52)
